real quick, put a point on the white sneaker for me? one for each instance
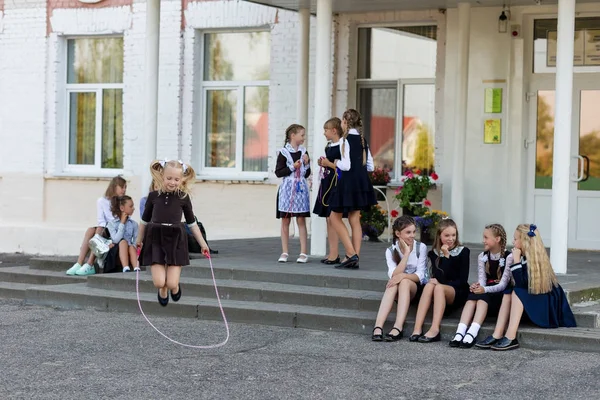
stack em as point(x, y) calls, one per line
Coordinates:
point(87, 269)
point(71, 271)
point(126, 269)
point(137, 269)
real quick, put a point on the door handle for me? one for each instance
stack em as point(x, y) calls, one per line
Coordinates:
point(580, 171)
point(586, 169)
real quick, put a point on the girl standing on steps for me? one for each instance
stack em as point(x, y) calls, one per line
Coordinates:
point(354, 191)
point(407, 267)
point(293, 196)
point(493, 281)
point(162, 236)
point(333, 134)
point(536, 292)
point(448, 284)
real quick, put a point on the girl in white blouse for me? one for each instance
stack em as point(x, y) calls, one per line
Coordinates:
point(407, 266)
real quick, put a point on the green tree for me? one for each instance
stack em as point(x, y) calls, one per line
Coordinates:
point(424, 150)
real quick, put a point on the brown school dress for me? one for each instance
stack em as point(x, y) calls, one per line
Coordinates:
point(165, 238)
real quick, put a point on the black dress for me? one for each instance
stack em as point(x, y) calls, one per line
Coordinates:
point(496, 274)
point(354, 190)
point(328, 183)
point(546, 310)
point(453, 271)
point(165, 238)
point(283, 171)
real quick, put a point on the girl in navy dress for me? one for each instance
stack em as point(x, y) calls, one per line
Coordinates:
point(333, 133)
point(354, 191)
point(536, 291)
point(293, 197)
point(407, 267)
point(486, 294)
point(448, 284)
point(162, 237)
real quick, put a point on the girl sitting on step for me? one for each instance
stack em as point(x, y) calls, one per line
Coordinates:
point(536, 291)
point(448, 284)
point(123, 232)
point(493, 284)
point(407, 267)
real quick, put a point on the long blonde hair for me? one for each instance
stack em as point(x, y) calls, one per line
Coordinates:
point(539, 269)
point(437, 241)
point(157, 168)
point(354, 120)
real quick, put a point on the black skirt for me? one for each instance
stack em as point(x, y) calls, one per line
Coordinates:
point(112, 262)
point(165, 245)
point(493, 300)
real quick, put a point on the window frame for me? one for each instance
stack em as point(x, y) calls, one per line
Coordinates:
point(97, 88)
point(200, 132)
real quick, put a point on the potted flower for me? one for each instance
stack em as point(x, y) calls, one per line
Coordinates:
point(412, 193)
point(427, 224)
point(373, 222)
point(380, 177)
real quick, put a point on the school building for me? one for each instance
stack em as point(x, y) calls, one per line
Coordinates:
point(500, 98)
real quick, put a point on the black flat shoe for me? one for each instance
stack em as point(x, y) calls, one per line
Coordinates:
point(415, 337)
point(163, 301)
point(327, 261)
point(392, 338)
point(456, 343)
point(350, 263)
point(177, 295)
point(425, 339)
point(464, 345)
point(487, 342)
point(377, 338)
point(506, 344)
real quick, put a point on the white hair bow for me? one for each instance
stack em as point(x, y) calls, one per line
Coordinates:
point(165, 161)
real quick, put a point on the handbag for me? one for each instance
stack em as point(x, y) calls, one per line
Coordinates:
point(100, 247)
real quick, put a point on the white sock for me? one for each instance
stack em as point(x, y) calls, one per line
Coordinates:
point(460, 331)
point(473, 330)
point(126, 269)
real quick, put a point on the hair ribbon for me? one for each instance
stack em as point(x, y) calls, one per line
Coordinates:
point(166, 160)
point(532, 229)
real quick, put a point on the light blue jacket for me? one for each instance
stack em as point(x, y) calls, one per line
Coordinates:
point(127, 231)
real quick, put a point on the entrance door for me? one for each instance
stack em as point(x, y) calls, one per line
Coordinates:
point(584, 207)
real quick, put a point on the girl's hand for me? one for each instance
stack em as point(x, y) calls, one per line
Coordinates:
point(404, 248)
point(516, 255)
point(320, 162)
point(395, 280)
point(297, 164)
point(138, 246)
point(433, 281)
point(478, 290)
point(474, 286)
point(446, 250)
point(205, 251)
point(306, 159)
point(110, 246)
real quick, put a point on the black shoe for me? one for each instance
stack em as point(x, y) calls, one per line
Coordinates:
point(425, 339)
point(350, 263)
point(415, 337)
point(464, 345)
point(177, 295)
point(162, 301)
point(506, 344)
point(327, 261)
point(377, 338)
point(456, 343)
point(392, 338)
point(487, 342)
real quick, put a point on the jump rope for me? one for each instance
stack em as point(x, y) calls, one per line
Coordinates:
point(212, 346)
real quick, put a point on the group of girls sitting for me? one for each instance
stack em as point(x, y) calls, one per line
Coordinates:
point(510, 285)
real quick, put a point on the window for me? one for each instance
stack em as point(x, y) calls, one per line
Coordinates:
point(396, 96)
point(235, 93)
point(95, 102)
point(586, 45)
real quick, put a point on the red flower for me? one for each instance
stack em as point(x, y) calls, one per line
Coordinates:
point(409, 175)
point(418, 172)
point(427, 203)
point(394, 213)
point(434, 176)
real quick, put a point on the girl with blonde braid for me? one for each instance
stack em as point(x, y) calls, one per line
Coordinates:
point(486, 294)
point(162, 239)
point(537, 292)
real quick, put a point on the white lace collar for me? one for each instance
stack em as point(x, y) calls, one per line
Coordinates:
point(333, 144)
point(453, 252)
point(353, 131)
point(291, 149)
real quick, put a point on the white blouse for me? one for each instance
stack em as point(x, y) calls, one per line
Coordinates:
point(344, 164)
point(417, 266)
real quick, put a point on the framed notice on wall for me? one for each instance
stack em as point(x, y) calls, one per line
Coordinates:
point(586, 48)
point(493, 101)
point(492, 131)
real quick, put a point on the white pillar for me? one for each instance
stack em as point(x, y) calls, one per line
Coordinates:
point(323, 82)
point(303, 63)
point(562, 136)
point(151, 89)
point(457, 197)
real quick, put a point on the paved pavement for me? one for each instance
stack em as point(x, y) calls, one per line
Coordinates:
point(52, 354)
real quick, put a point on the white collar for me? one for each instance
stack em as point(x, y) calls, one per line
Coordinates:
point(454, 252)
point(353, 131)
point(332, 144)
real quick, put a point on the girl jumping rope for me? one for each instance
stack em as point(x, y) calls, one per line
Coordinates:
point(293, 197)
point(448, 284)
point(486, 295)
point(162, 237)
point(333, 133)
point(536, 292)
point(407, 267)
point(354, 191)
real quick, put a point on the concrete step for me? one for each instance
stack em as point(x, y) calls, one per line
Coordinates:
point(319, 318)
point(251, 291)
point(13, 290)
point(52, 263)
point(37, 276)
point(587, 314)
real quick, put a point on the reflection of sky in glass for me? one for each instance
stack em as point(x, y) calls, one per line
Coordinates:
point(247, 56)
